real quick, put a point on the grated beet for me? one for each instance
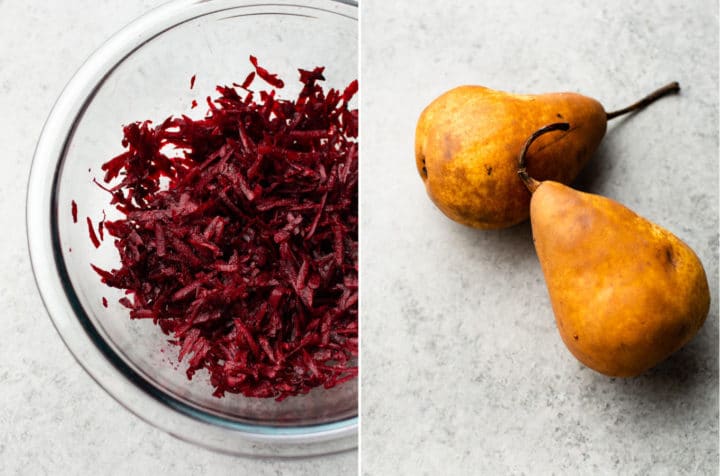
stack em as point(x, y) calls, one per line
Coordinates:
point(243, 247)
point(100, 227)
point(271, 79)
point(91, 233)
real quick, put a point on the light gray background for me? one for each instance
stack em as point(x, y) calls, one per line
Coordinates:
point(463, 369)
point(53, 418)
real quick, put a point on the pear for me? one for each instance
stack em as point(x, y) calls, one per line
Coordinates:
point(626, 293)
point(467, 140)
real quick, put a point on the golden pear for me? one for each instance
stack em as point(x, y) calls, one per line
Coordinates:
point(626, 293)
point(467, 141)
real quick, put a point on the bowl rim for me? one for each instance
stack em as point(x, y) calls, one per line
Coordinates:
point(79, 335)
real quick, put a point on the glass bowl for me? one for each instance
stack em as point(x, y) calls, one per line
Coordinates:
point(144, 72)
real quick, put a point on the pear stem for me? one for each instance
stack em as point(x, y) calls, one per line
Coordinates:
point(650, 98)
point(530, 182)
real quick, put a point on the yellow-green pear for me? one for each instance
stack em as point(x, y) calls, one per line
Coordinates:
point(626, 293)
point(467, 141)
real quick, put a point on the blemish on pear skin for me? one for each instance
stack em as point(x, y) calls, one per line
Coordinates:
point(450, 146)
point(424, 167)
point(583, 221)
point(670, 256)
point(488, 169)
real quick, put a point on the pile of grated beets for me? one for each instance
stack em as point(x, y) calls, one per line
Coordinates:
point(239, 235)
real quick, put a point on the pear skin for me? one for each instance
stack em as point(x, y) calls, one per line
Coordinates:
point(626, 293)
point(467, 141)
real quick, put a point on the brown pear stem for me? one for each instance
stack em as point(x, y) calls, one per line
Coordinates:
point(530, 182)
point(650, 98)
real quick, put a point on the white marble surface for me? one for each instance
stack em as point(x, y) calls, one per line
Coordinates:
point(463, 368)
point(54, 419)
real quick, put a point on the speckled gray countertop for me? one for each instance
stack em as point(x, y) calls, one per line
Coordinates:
point(463, 369)
point(54, 419)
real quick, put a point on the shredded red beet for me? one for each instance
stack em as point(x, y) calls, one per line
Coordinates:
point(248, 80)
point(193, 104)
point(91, 233)
point(104, 301)
point(100, 227)
point(246, 253)
point(192, 82)
point(73, 209)
point(271, 79)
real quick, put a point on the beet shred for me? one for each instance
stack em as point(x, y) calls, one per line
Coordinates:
point(239, 235)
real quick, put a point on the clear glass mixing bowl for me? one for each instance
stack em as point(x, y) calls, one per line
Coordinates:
point(144, 72)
